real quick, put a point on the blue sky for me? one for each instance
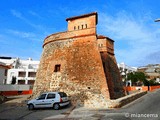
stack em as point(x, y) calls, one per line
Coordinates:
point(130, 23)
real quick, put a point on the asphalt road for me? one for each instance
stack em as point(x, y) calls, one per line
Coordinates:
point(14, 111)
point(145, 108)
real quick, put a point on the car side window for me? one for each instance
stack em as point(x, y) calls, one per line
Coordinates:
point(41, 97)
point(51, 96)
point(62, 94)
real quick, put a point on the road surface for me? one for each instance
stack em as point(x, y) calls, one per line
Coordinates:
point(145, 108)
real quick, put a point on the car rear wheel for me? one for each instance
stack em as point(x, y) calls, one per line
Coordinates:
point(56, 106)
point(30, 106)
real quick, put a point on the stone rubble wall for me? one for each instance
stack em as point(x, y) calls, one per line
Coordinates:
point(88, 77)
point(81, 77)
point(125, 100)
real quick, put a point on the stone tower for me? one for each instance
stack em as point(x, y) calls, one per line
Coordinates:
point(80, 63)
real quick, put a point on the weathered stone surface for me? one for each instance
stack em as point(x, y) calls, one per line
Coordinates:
point(73, 62)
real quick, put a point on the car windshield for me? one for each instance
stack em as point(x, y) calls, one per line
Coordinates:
point(62, 94)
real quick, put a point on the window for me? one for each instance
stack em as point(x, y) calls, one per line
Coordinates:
point(100, 45)
point(51, 96)
point(82, 26)
point(78, 27)
point(5, 72)
point(31, 82)
point(62, 94)
point(22, 74)
point(86, 25)
point(57, 68)
point(32, 74)
point(14, 80)
point(74, 27)
point(22, 82)
point(42, 97)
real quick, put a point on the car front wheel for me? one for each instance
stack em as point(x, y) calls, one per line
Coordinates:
point(30, 106)
point(56, 106)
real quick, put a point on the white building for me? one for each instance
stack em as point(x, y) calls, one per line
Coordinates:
point(3, 73)
point(21, 71)
point(152, 71)
point(124, 70)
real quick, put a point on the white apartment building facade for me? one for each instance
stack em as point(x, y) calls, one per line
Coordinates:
point(124, 70)
point(21, 71)
point(3, 73)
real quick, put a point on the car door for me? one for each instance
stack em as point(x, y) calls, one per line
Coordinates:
point(50, 99)
point(40, 101)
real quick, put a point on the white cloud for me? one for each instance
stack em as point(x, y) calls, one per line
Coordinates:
point(18, 35)
point(16, 14)
point(35, 14)
point(142, 40)
point(20, 16)
point(21, 34)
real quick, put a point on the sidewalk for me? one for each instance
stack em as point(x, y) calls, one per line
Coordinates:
point(80, 113)
point(87, 114)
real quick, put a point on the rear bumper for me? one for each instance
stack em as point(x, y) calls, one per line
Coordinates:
point(64, 103)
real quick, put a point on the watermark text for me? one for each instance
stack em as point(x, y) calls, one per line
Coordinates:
point(139, 115)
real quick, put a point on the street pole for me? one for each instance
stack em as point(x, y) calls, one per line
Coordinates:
point(158, 20)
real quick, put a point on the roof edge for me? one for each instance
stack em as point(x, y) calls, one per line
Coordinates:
point(84, 15)
point(102, 37)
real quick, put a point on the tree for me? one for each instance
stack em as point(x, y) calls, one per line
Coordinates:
point(137, 77)
point(153, 82)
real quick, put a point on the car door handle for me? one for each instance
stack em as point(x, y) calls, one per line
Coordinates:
point(42, 101)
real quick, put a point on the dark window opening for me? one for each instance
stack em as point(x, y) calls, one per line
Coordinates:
point(86, 25)
point(22, 82)
point(32, 74)
point(82, 26)
point(31, 82)
point(14, 79)
point(74, 27)
point(22, 74)
point(57, 68)
point(78, 27)
point(89, 87)
point(100, 45)
point(5, 73)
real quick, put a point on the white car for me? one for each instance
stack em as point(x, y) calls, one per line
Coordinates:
point(49, 99)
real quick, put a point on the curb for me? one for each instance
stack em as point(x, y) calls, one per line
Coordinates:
point(125, 100)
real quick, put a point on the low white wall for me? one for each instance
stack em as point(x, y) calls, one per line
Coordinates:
point(15, 87)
